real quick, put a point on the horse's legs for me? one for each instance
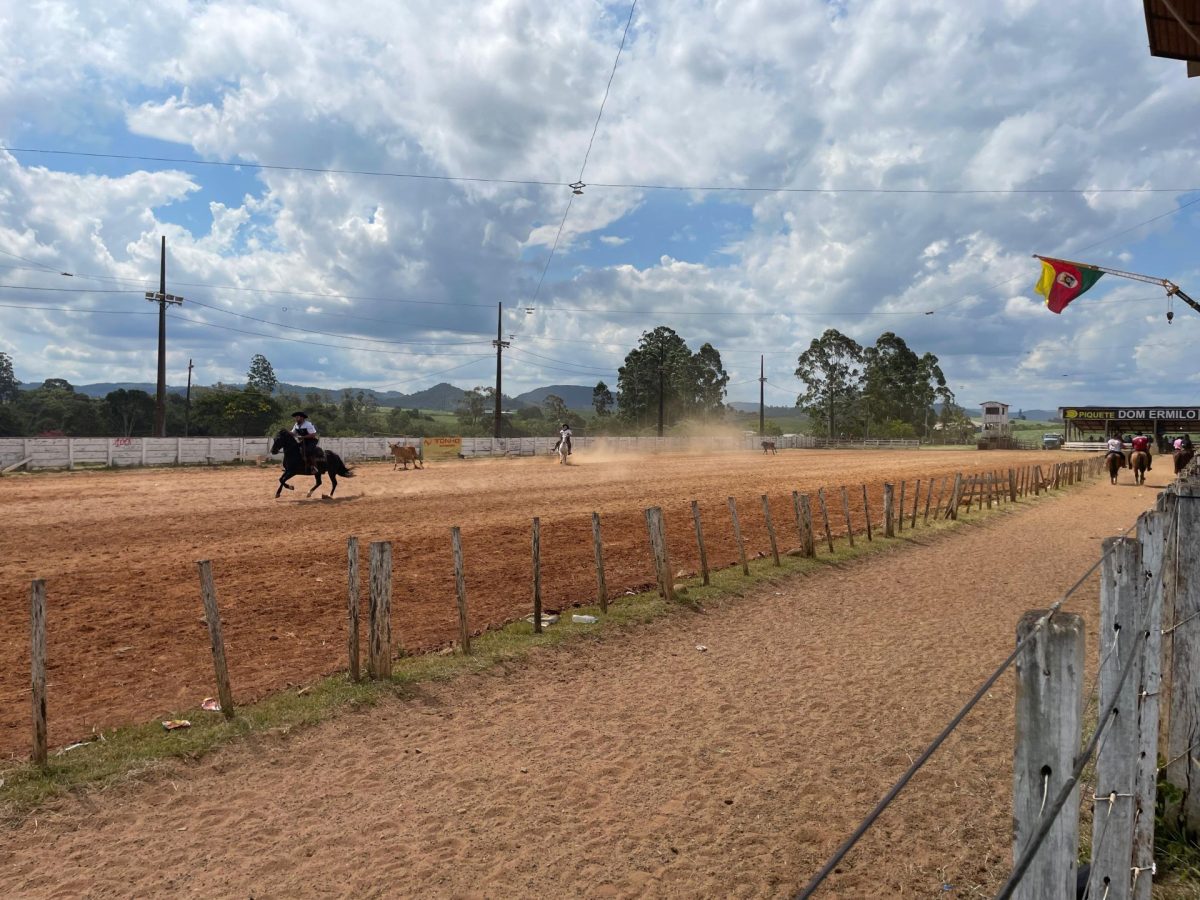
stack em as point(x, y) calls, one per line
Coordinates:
point(283, 483)
point(316, 484)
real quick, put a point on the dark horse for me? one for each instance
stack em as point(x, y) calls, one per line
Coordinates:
point(1183, 456)
point(1115, 462)
point(1139, 461)
point(293, 464)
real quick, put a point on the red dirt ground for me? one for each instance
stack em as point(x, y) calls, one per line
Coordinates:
point(635, 766)
point(127, 640)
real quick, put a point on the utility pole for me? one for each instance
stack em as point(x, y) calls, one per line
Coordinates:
point(762, 410)
point(162, 298)
point(662, 363)
point(499, 345)
point(187, 409)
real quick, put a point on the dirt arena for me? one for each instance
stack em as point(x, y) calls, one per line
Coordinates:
point(636, 766)
point(127, 640)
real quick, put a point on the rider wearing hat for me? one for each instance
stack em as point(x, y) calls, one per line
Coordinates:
point(306, 435)
point(564, 434)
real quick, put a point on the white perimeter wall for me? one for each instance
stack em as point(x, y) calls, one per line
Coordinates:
point(65, 453)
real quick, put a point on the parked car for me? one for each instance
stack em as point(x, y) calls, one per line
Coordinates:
point(1052, 441)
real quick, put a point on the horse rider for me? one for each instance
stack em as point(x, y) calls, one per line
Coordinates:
point(306, 435)
point(564, 434)
point(1117, 446)
point(1141, 442)
point(1183, 443)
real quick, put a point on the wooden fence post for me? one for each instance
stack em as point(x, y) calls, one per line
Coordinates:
point(867, 513)
point(1183, 601)
point(1151, 533)
point(537, 575)
point(955, 490)
point(598, 552)
point(916, 502)
point(770, 529)
point(700, 542)
point(209, 592)
point(804, 523)
point(889, 524)
point(937, 507)
point(900, 507)
point(737, 536)
point(928, 497)
point(352, 606)
point(658, 548)
point(379, 611)
point(825, 517)
point(1038, 481)
point(988, 479)
point(37, 659)
point(846, 514)
point(1049, 718)
point(460, 590)
point(1116, 763)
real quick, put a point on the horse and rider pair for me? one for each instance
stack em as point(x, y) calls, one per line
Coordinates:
point(564, 434)
point(303, 456)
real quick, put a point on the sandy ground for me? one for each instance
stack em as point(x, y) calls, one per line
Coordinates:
point(118, 550)
point(635, 766)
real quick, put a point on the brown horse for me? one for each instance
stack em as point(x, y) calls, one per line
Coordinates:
point(1139, 461)
point(1183, 456)
point(1115, 462)
point(405, 455)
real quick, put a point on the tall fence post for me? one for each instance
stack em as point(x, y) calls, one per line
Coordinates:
point(900, 507)
point(825, 517)
point(208, 591)
point(460, 590)
point(846, 515)
point(37, 659)
point(952, 505)
point(928, 497)
point(867, 514)
point(770, 529)
point(1183, 601)
point(916, 502)
point(1049, 717)
point(804, 523)
point(1112, 825)
point(658, 547)
point(889, 521)
point(700, 542)
point(352, 606)
point(598, 552)
point(379, 613)
point(537, 575)
point(737, 536)
point(1012, 485)
point(1151, 532)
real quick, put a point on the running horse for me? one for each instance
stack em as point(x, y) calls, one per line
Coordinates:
point(1115, 462)
point(1139, 461)
point(293, 464)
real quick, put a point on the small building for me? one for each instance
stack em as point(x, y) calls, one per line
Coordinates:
point(995, 418)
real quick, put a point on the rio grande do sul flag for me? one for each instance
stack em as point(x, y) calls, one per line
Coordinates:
point(1062, 282)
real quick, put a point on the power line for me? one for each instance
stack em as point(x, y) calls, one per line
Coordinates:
point(78, 309)
point(624, 185)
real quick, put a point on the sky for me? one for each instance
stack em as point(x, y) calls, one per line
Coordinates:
point(352, 191)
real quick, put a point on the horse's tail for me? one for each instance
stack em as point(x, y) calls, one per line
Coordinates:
point(338, 466)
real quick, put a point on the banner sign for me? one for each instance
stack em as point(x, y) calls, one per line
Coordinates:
point(441, 448)
point(1177, 414)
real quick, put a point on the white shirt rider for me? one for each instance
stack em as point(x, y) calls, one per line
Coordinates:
point(304, 428)
point(1116, 445)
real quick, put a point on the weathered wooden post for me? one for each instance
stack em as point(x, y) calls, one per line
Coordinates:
point(460, 590)
point(804, 523)
point(928, 497)
point(867, 513)
point(737, 536)
point(937, 507)
point(889, 523)
point(208, 592)
point(846, 515)
point(700, 542)
point(379, 611)
point(1183, 601)
point(352, 606)
point(1121, 647)
point(1038, 481)
point(1152, 528)
point(598, 552)
point(770, 529)
point(1049, 718)
point(825, 517)
point(658, 548)
point(1012, 485)
point(955, 491)
point(988, 488)
point(900, 507)
point(537, 575)
point(37, 659)
point(916, 502)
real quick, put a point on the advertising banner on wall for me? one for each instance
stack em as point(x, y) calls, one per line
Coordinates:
point(441, 448)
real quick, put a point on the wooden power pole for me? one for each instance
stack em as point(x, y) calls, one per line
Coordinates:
point(162, 298)
point(499, 345)
point(762, 410)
